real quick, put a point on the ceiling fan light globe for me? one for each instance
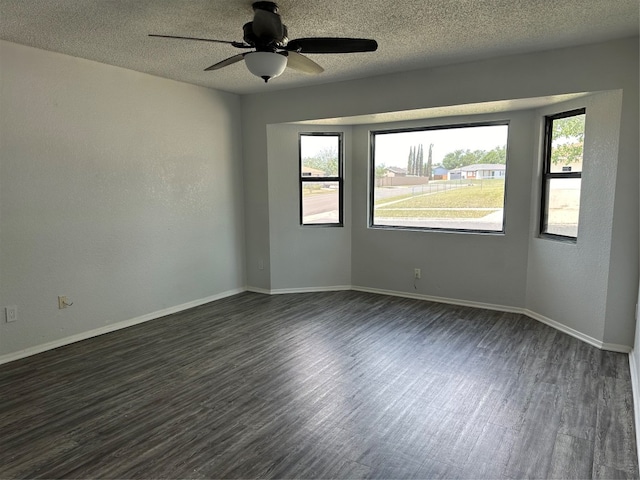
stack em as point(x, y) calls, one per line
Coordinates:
point(265, 65)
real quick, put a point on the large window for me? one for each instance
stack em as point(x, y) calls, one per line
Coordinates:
point(321, 173)
point(562, 174)
point(440, 178)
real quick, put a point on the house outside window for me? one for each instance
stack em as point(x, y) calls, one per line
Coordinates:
point(562, 175)
point(321, 179)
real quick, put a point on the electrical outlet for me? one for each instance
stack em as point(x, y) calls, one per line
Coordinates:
point(11, 313)
point(63, 302)
point(261, 264)
point(417, 274)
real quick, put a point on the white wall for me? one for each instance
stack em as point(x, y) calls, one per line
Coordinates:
point(599, 67)
point(303, 257)
point(121, 190)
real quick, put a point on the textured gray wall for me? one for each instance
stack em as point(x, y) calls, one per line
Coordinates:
point(121, 190)
point(303, 256)
point(568, 282)
point(487, 268)
point(599, 67)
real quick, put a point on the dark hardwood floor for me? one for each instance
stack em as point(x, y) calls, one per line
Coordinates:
point(322, 385)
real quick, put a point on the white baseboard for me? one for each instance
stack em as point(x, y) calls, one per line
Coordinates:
point(616, 347)
point(335, 288)
point(635, 389)
point(430, 298)
point(576, 334)
point(258, 290)
point(282, 291)
point(27, 352)
point(167, 311)
point(504, 308)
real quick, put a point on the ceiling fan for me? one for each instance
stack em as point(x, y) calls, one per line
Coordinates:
point(272, 51)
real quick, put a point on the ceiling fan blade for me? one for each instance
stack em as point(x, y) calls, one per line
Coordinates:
point(332, 45)
point(302, 64)
point(235, 44)
point(268, 25)
point(226, 62)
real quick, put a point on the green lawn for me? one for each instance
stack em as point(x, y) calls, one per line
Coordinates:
point(486, 194)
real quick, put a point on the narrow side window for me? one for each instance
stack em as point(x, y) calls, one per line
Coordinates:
point(321, 179)
point(562, 175)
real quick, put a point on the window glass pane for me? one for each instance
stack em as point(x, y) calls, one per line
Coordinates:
point(567, 140)
point(444, 178)
point(319, 155)
point(563, 206)
point(320, 202)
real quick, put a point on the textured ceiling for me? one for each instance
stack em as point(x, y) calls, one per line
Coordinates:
point(500, 106)
point(411, 33)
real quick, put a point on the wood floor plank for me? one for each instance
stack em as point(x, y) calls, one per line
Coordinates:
point(615, 441)
point(572, 458)
point(320, 385)
point(615, 365)
point(580, 412)
point(515, 399)
point(602, 472)
point(532, 453)
point(490, 455)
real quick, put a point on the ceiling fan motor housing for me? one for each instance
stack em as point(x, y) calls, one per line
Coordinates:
point(264, 44)
point(268, 6)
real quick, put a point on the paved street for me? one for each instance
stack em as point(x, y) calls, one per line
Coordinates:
point(323, 207)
